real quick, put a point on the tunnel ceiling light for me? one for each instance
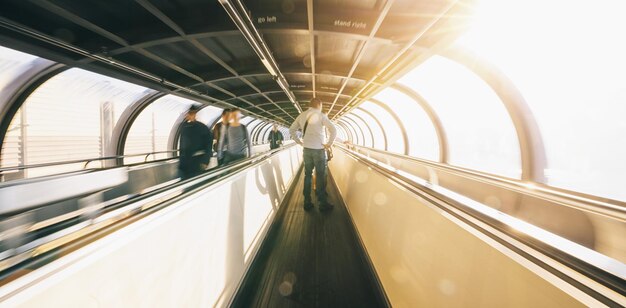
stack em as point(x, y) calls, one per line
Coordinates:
point(237, 13)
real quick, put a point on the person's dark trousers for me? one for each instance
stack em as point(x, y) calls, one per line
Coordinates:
point(229, 158)
point(315, 159)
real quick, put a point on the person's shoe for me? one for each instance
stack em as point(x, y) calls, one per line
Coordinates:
point(326, 206)
point(308, 206)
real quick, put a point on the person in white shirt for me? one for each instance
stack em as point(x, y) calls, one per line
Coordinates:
point(312, 123)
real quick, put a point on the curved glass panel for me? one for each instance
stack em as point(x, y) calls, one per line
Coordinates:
point(392, 129)
point(346, 131)
point(252, 125)
point(423, 140)
point(356, 136)
point(379, 137)
point(151, 130)
point(208, 114)
point(341, 134)
point(366, 136)
point(572, 74)
point(480, 132)
point(12, 64)
point(60, 127)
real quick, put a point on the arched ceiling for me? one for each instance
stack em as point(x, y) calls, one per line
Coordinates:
point(331, 49)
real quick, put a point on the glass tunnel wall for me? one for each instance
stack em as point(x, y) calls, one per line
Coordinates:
point(54, 125)
point(574, 89)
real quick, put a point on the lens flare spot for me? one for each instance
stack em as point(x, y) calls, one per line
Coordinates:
point(380, 198)
point(447, 287)
point(361, 176)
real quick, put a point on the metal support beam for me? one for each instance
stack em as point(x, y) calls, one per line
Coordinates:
point(364, 45)
point(353, 134)
point(238, 13)
point(432, 115)
point(405, 136)
point(532, 150)
point(347, 131)
point(360, 129)
point(309, 10)
point(13, 96)
point(125, 123)
point(411, 44)
point(365, 124)
point(382, 128)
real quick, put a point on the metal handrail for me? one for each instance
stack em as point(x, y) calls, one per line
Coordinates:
point(85, 161)
point(594, 265)
point(616, 207)
point(130, 208)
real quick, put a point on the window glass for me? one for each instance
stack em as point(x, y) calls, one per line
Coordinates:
point(150, 132)
point(362, 130)
point(208, 114)
point(59, 126)
point(379, 137)
point(479, 130)
point(423, 140)
point(12, 64)
point(392, 129)
point(356, 135)
point(341, 134)
point(572, 74)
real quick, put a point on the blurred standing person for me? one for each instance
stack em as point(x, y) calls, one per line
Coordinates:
point(217, 130)
point(195, 145)
point(276, 138)
point(234, 141)
point(312, 123)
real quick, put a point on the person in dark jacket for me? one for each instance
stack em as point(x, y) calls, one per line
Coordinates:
point(217, 129)
point(276, 138)
point(195, 145)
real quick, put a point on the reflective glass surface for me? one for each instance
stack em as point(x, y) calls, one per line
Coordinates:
point(151, 130)
point(480, 132)
point(379, 137)
point(362, 128)
point(71, 117)
point(423, 141)
point(392, 129)
point(572, 74)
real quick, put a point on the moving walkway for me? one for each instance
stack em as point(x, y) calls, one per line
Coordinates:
point(242, 239)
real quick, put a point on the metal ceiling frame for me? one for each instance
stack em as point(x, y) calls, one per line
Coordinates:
point(398, 55)
point(18, 28)
point(309, 10)
point(170, 23)
point(240, 17)
point(302, 73)
point(277, 102)
point(379, 20)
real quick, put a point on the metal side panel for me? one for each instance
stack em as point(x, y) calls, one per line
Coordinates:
point(21, 197)
point(426, 257)
point(192, 253)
